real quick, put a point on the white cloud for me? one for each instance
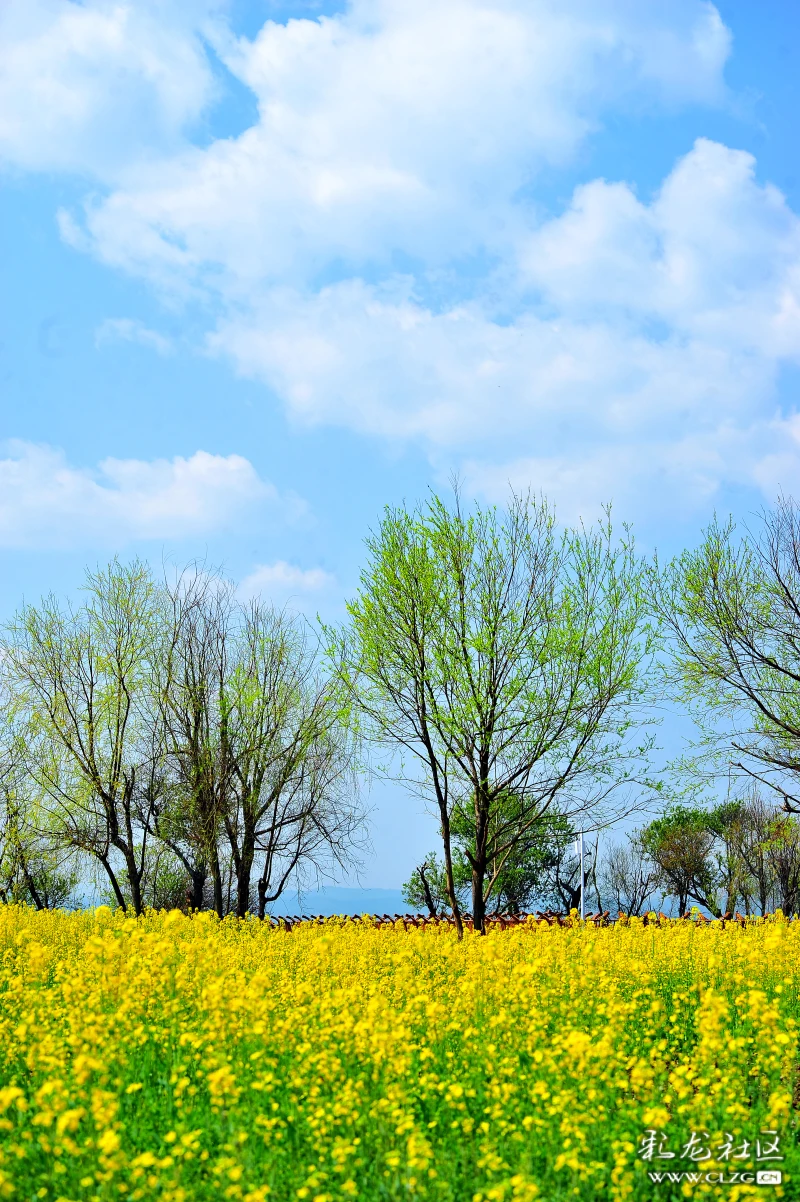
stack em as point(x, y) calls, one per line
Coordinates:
point(126, 329)
point(285, 583)
point(778, 470)
point(634, 338)
point(715, 256)
point(352, 356)
point(398, 126)
point(652, 478)
point(47, 502)
point(645, 335)
point(91, 86)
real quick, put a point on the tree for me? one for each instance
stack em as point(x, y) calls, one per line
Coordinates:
point(530, 868)
point(427, 887)
point(79, 681)
point(535, 870)
point(755, 830)
point(563, 885)
point(731, 609)
point(190, 687)
point(783, 850)
point(506, 659)
point(681, 843)
point(175, 735)
point(254, 743)
point(311, 828)
point(629, 877)
point(727, 821)
point(698, 853)
point(32, 868)
point(738, 851)
point(290, 756)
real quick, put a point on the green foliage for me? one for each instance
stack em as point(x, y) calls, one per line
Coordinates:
point(731, 610)
point(740, 852)
point(426, 888)
point(531, 873)
point(34, 867)
point(79, 688)
point(169, 734)
point(504, 659)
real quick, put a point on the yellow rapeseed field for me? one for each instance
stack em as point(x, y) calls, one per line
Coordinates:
point(182, 1058)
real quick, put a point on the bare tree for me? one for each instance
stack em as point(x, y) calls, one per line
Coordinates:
point(191, 686)
point(629, 877)
point(783, 852)
point(258, 762)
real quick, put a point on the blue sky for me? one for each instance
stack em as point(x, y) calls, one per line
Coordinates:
point(267, 267)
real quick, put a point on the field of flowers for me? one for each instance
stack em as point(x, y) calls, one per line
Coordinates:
point(183, 1058)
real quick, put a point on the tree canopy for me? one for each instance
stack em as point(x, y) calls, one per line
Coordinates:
point(498, 657)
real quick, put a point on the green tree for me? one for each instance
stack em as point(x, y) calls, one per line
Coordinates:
point(699, 854)
point(681, 843)
point(527, 873)
point(79, 683)
point(426, 888)
point(737, 852)
point(189, 691)
point(505, 659)
point(33, 868)
point(731, 611)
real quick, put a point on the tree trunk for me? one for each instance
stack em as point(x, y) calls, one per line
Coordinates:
point(114, 883)
point(134, 880)
point(478, 901)
point(426, 889)
point(198, 877)
point(37, 901)
point(448, 865)
point(219, 901)
point(244, 873)
point(479, 869)
point(216, 877)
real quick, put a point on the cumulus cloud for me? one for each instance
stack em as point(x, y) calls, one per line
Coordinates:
point(636, 337)
point(90, 87)
point(715, 255)
point(398, 127)
point(47, 502)
point(644, 334)
point(285, 583)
